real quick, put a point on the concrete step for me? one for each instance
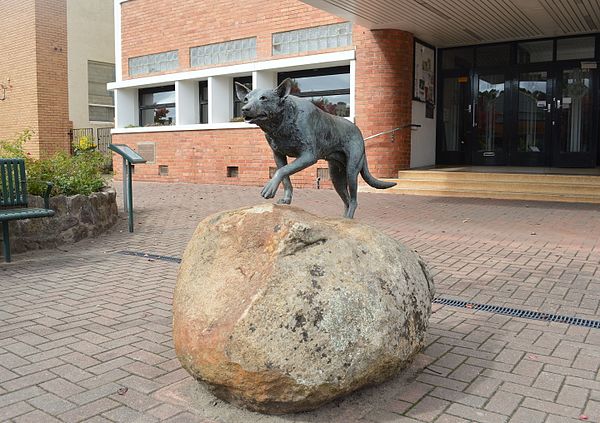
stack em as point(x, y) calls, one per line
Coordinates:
point(515, 186)
point(535, 187)
point(498, 177)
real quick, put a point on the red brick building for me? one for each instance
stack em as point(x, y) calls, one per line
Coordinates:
point(366, 65)
point(483, 86)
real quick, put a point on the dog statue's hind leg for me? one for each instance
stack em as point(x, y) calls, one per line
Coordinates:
point(288, 190)
point(353, 167)
point(337, 173)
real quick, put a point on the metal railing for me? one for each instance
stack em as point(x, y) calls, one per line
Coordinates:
point(393, 131)
point(99, 136)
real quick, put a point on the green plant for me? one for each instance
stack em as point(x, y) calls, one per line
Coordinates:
point(15, 148)
point(83, 144)
point(78, 174)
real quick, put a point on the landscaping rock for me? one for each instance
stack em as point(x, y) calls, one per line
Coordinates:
point(280, 311)
point(76, 217)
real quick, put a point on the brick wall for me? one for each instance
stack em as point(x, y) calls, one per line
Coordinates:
point(34, 56)
point(52, 76)
point(18, 63)
point(383, 87)
point(147, 29)
point(203, 157)
point(384, 75)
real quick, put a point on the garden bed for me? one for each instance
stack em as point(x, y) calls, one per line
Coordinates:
point(77, 217)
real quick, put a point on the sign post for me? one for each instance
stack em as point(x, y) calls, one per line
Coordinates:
point(130, 158)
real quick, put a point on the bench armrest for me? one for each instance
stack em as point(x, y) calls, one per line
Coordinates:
point(49, 186)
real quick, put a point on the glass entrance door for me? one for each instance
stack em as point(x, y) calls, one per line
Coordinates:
point(574, 120)
point(455, 125)
point(532, 112)
point(489, 146)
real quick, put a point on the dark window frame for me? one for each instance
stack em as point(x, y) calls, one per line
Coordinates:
point(336, 70)
point(153, 90)
point(237, 103)
point(203, 101)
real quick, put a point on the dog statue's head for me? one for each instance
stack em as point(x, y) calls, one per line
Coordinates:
point(262, 106)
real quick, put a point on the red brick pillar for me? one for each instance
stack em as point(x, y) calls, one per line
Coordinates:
point(384, 75)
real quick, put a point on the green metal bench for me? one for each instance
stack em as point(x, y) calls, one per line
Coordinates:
point(13, 198)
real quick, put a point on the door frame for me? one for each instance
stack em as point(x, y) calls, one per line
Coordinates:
point(575, 160)
point(463, 156)
point(517, 158)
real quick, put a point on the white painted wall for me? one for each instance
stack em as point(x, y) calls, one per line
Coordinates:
point(187, 102)
point(264, 79)
point(90, 36)
point(127, 112)
point(422, 142)
point(220, 103)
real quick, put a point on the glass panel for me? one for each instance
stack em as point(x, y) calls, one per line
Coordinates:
point(237, 104)
point(575, 110)
point(158, 116)
point(454, 106)
point(490, 114)
point(309, 39)
point(457, 58)
point(321, 83)
point(575, 48)
point(163, 97)
point(535, 51)
point(493, 55)
point(531, 123)
point(338, 105)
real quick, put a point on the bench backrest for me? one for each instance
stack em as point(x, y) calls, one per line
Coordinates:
point(13, 185)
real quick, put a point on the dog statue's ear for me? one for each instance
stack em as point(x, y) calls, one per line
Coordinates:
point(283, 90)
point(241, 91)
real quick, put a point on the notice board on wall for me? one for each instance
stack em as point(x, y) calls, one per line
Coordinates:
point(424, 72)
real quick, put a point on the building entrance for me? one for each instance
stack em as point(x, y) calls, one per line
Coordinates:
point(518, 104)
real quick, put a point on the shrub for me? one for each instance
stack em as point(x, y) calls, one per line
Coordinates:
point(79, 174)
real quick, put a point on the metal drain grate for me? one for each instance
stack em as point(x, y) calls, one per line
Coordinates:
point(150, 256)
point(525, 314)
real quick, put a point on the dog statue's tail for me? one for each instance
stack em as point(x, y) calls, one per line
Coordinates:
point(371, 180)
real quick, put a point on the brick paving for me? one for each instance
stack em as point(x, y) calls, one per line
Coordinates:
point(82, 324)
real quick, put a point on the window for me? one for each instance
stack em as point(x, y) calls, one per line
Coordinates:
point(159, 62)
point(535, 51)
point(575, 48)
point(229, 51)
point(204, 101)
point(495, 55)
point(157, 106)
point(311, 39)
point(101, 106)
point(327, 88)
point(457, 58)
point(237, 103)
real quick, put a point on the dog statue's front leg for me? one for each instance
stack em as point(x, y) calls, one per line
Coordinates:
point(281, 161)
point(302, 162)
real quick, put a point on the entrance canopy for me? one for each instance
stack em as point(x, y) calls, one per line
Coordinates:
point(451, 23)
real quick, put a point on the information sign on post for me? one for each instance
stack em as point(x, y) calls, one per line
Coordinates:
point(130, 158)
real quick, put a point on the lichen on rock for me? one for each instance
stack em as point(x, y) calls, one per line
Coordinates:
point(280, 311)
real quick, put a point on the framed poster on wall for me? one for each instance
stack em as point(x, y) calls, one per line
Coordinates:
point(424, 72)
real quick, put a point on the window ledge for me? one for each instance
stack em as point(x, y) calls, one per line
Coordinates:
point(177, 128)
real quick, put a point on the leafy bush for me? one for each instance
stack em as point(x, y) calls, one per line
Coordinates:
point(79, 174)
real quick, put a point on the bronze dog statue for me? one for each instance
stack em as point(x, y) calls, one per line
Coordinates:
point(295, 127)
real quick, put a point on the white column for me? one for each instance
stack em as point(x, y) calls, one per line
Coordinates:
point(220, 99)
point(353, 90)
point(264, 79)
point(187, 102)
point(127, 109)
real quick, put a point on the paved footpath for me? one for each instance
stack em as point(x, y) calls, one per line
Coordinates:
point(85, 332)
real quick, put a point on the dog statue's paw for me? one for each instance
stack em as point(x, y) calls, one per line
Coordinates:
point(269, 190)
point(284, 201)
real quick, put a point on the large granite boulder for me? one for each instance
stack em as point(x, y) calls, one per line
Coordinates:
point(280, 311)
